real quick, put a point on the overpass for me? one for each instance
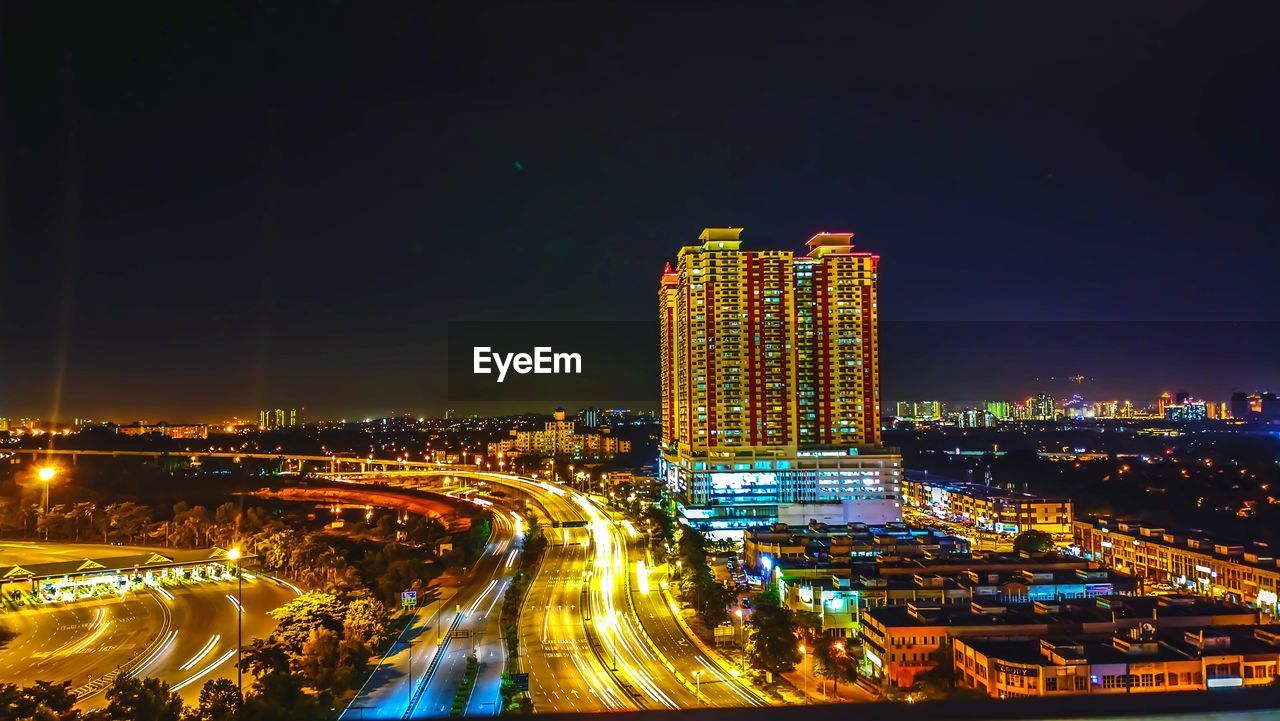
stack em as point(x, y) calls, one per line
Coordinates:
point(334, 463)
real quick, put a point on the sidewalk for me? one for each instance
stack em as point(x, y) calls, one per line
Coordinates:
point(822, 690)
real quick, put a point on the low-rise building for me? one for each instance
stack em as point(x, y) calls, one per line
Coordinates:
point(560, 436)
point(838, 594)
point(1187, 560)
point(902, 642)
point(842, 542)
point(1139, 660)
point(172, 430)
point(988, 508)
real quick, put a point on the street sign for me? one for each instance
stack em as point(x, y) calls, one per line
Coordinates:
point(408, 598)
point(520, 681)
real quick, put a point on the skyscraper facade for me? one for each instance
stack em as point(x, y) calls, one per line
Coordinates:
point(771, 384)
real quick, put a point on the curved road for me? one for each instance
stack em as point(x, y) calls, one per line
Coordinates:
point(595, 640)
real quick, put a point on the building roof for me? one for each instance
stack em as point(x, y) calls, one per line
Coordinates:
point(1064, 614)
point(1155, 645)
point(1254, 554)
point(112, 565)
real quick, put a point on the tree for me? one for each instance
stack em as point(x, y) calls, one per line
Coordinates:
point(263, 658)
point(365, 621)
point(772, 643)
point(219, 701)
point(42, 700)
point(1033, 541)
point(299, 617)
point(135, 699)
point(318, 659)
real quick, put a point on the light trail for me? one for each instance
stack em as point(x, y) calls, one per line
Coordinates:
point(208, 648)
point(157, 654)
point(204, 671)
point(235, 602)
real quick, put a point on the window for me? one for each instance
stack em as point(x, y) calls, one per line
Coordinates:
point(1051, 684)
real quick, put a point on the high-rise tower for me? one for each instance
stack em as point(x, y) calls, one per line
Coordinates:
point(771, 383)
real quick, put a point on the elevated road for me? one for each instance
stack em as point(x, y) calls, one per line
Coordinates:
point(464, 621)
point(593, 606)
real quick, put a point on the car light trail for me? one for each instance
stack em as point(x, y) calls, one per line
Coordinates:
point(208, 648)
point(157, 654)
point(204, 671)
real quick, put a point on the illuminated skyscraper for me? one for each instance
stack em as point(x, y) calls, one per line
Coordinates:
point(771, 384)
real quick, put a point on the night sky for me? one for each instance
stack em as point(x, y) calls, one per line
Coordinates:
point(208, 209)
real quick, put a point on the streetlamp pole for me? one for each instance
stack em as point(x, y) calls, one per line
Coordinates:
point(234, 555)
point(805, 652)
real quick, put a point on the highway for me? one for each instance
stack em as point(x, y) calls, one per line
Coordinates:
point(625, 648)
point(201, 642)
point(466, 620)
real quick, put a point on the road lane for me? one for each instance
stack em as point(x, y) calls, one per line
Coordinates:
point(79, 641)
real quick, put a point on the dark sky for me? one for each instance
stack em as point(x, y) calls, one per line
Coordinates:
point(208, 208)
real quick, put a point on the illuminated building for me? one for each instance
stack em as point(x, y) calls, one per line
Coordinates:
point(839, 593)
point(919, 410)
point(1042, 407)
point(273, 418)
point(988, 508)
point(902, 642)
point(172, 430)
point(1163, 402)
point(560, 436)
point(975, 418)
point(1139, 660)
point(1188, 411)
point(770, 383)
point(4, 425)
point(1187, 560)
point(1001, 410)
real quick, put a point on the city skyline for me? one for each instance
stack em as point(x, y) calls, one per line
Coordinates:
point(284, 238)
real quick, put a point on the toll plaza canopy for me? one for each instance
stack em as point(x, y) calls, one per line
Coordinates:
point(82, 561)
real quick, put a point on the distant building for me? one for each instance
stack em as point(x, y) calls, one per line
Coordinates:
point(560, 436)
point(172, 430)
point(975, 418)
point(589, 417)
point(1186, 412)
point(1240, 407)
point(273, 418)
point(988, 508)
point(1164, 401)
point(1043, 407)
point(919, 410)
point(1000, 410)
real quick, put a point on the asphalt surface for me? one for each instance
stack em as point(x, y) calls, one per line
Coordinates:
point(202, 640)
point(465, 620)
point(591, 639)
point(183, 634)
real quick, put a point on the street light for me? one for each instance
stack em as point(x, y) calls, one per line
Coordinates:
point(742, 641)
point(838, 647)
point(234, 555)
point(697, 683)
point(46, 474)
